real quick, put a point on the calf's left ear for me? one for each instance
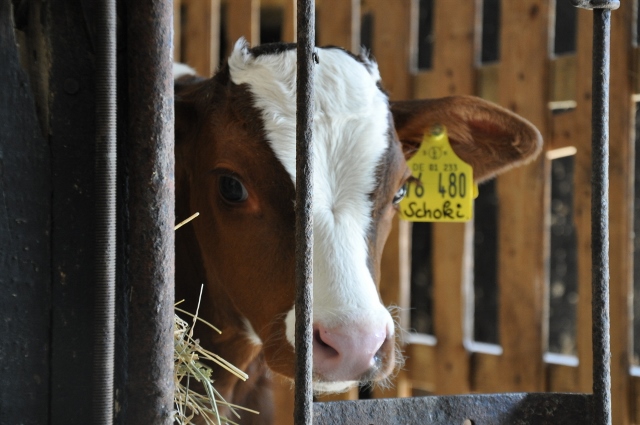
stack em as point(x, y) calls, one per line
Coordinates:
point(488, 137)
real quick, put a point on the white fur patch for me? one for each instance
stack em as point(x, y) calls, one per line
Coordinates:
point(351, 128)
point(251, 333)
point(180, 70)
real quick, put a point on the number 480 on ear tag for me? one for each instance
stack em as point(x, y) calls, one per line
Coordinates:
point(442, 189)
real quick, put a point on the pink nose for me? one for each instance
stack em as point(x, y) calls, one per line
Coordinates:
point(345, 353)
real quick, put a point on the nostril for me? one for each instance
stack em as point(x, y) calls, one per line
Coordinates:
point(318, 339)
point(382, 352)
point(323, 345)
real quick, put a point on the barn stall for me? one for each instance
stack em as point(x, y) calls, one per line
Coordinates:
point(537, 253)
point(505, 304)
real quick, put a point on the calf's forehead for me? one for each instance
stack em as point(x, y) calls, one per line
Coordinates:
point(351, 124)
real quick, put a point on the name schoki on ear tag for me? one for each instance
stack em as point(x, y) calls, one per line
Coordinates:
point(442, 188)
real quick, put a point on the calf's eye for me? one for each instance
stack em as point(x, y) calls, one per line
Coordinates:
point(400, 194)
point(231, 189)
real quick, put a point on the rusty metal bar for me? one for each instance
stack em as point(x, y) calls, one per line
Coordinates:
point(105, 284)
point(475, 409)
point(600, 219)
point(151, 211)
point(600, 207)
point(304, 218)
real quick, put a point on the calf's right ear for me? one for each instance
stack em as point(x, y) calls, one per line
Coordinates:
point(488, 137)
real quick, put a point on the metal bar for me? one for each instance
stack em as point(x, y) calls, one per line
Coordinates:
point(151, 210)
point(476, 409)
point(304, 218)
point(600, 218)
point(105, 284)
point(600, 207)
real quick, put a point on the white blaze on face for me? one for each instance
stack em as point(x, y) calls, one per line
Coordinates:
point(350, 136)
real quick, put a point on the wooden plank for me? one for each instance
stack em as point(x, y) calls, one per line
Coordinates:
point(562, 379)
point(289, 21)
point(522, 280)
point(563, 78)
point(455, 50)
point(453, 70)
point(488, 77)
point(395, 32)
point(621, 208)
point(243, 20)
point(523, 245)
point(562, 130)
point(451, 293)
point(486, 373)
point(423, 83)
point(582, 196)
point(201, 35)
point(339, 24)
point(421, 366)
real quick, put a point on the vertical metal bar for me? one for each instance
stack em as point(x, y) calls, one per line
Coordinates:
point(151, 211)
point(104, 336)
point(600, 207)
point(304, 218)
point(600, 218)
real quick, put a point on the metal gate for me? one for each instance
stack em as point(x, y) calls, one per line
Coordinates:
point(480, 409)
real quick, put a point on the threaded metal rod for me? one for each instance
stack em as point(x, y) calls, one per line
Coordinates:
point(105, 195)
point(304, 218)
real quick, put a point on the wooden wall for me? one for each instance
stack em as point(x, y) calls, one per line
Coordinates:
point(529, 80)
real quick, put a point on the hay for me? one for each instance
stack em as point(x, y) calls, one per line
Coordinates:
point(189, 365)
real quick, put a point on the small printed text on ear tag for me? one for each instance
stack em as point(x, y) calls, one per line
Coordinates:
point(442, 189)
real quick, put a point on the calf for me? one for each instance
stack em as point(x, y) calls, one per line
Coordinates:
point(235, 164)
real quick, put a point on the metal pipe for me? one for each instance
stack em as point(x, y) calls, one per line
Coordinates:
point(600, 207)
point(600, 218)
point(304, 218)
point(105, 196)
point(151, 211)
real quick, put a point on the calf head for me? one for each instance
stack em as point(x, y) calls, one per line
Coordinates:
point(235, 156)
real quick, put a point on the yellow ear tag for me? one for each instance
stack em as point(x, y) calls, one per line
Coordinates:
point(442, 189)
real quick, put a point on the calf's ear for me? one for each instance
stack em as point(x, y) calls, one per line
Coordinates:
point(488, 137)
point(186, 108)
